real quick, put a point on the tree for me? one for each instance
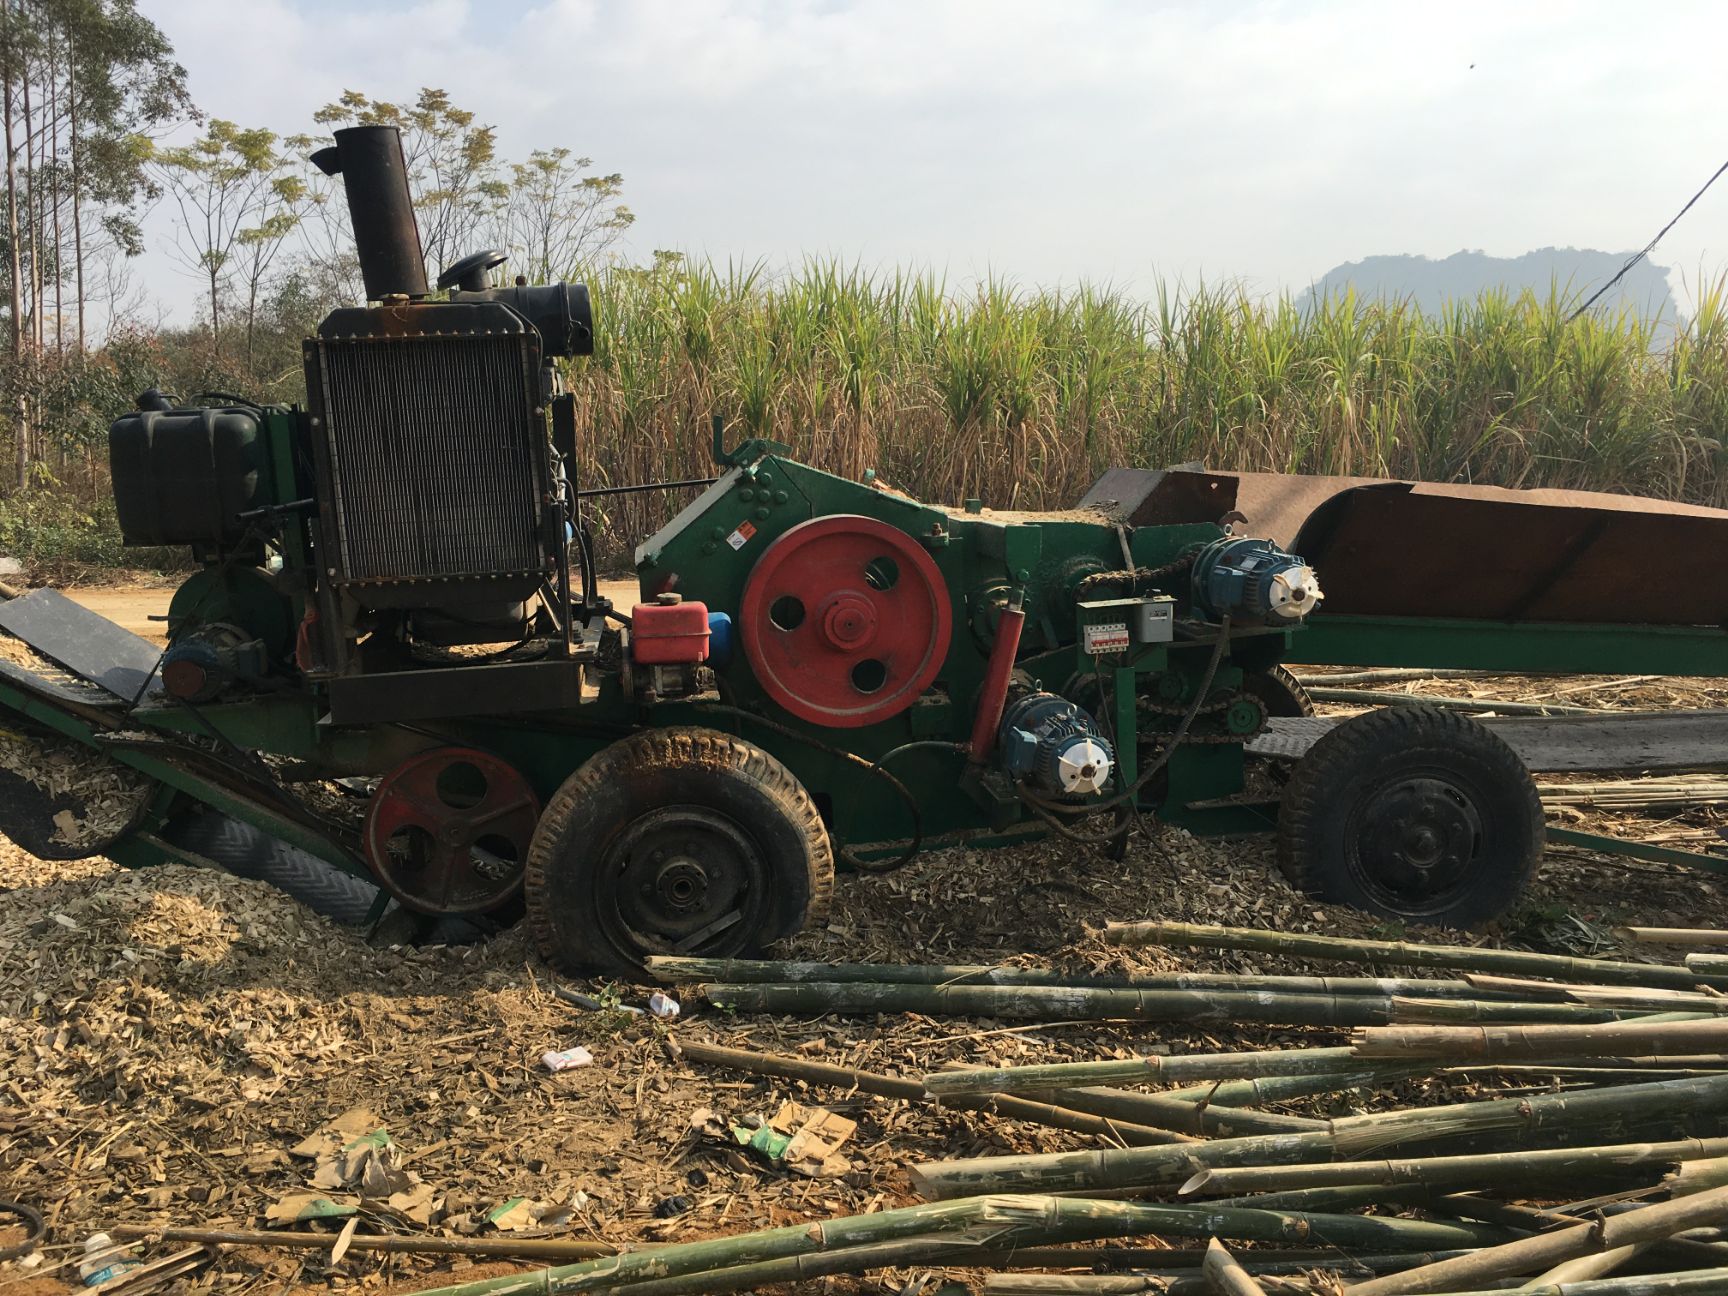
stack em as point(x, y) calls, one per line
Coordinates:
point(557, 217)
point(84, 81)
point(235, 194)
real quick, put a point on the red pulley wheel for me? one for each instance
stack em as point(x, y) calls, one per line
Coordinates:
point(448, 831)
point(845, 620)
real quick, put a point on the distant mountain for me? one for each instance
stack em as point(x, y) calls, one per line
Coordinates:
point(1573, 273)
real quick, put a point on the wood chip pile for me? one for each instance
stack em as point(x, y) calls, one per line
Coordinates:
point(172, 1036)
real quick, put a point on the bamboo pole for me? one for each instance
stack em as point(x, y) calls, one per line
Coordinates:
point(886, 1086)
point(1268, 1089)
point(1138, 1070)
point(1452, 1172)
point(731, 971)
point(1410, 954)
point(1225, 1276)
point(1541, 1042)
point(1544, 1250)
point(1696, 1282)
point(1656, 1000)
point(1583, 1268)
point(518, 1248)
point(1709, 965)
point(849, 1243)
point(1380, 697)
point(1054, 1003)
point(1180, 1115)
point(1676, 1250)
point(1404, 1009)
point(1175, 1281)
point(1661, 1102)
point(1674, 935)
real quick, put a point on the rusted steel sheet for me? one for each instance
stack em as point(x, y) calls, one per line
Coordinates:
point(1398, 548)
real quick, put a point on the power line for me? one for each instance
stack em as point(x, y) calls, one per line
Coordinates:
point(1649, 247)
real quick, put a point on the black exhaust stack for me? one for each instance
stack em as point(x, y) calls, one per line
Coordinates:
point(386, 239)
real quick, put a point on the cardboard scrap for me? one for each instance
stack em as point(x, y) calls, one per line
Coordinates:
point(520, 1213)
point(354, 1151)
point(334, 1135)
point(298, 1206)
point(804, 1140)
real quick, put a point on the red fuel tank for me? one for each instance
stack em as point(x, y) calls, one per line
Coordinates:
point(669, 632)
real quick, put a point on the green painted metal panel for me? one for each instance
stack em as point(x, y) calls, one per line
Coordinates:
point(1518, 646)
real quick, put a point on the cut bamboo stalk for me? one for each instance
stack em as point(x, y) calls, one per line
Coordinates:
point(1600, 996)
point(1677, 1250)
point(1469, 958)
point(1341, 1197)
point(1697, 1175)
point(1269, 1089)
point(1138, 1070)
point(1453, 1172)
point(1387, 675)
point(1709, 965)
point(1179, 1115)
point(1176, 1282)
point(886, 1086)
point(725, 971)
point(1663, 1102)
point(1225, 1276)
point(1494, 1010)
point(519, 1248)
point(1526, 1255)
point(850, 1242)
point(1541, 1042)
point(1054, 1003)
point(1674, 935)
point(1379, 697)
point(1693, 1282)
point(1591, 1265)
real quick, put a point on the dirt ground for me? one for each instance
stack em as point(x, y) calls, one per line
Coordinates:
point(170, 1036)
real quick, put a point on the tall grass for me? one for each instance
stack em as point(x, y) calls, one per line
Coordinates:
point(1022, 397)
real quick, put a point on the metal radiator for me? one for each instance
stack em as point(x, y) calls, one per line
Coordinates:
point(436, 458)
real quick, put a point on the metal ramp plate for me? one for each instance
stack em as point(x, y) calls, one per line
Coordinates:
point(1662, 740)
point(86, 643)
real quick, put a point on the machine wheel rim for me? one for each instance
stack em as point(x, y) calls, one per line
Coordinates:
point(683, 879)
point(443, 855)
point(1414, 842)
point(845, 620)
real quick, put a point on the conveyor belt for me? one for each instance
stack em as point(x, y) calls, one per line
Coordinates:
point(1627, 742)
point(85, 643)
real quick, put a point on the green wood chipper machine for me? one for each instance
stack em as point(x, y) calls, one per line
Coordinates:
point(392, 686)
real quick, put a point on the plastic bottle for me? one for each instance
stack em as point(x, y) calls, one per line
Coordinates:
point(103, 1260)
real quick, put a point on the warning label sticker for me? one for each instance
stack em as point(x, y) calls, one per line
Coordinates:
point(739, 538)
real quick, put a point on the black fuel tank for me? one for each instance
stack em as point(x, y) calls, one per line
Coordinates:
point(182, 476)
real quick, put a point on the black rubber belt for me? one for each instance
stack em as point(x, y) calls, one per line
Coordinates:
point(33, 1225)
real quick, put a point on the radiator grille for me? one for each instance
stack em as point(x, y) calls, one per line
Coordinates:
point(434, 455)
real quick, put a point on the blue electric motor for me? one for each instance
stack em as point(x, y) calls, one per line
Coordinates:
point(1253, 580)
point(1053, 746)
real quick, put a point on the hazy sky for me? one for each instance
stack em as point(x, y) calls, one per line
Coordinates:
point(1051, 141)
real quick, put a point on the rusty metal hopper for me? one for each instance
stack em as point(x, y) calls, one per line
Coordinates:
point(1423, 549)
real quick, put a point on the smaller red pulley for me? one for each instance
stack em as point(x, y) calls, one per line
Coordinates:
point(845, 621)
point(448, 831)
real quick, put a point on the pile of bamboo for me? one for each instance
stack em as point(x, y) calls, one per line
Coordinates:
point(1610, 1178)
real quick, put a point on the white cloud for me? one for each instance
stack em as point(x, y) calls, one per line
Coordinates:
point(1051, 142)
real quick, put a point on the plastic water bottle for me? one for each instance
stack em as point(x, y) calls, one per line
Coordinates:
point(102, 1260)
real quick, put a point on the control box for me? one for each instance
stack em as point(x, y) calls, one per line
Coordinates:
point(1116, 625)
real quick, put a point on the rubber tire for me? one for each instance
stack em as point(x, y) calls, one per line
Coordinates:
point(1280, 692)
point(649, 771)
point(1379, 747)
